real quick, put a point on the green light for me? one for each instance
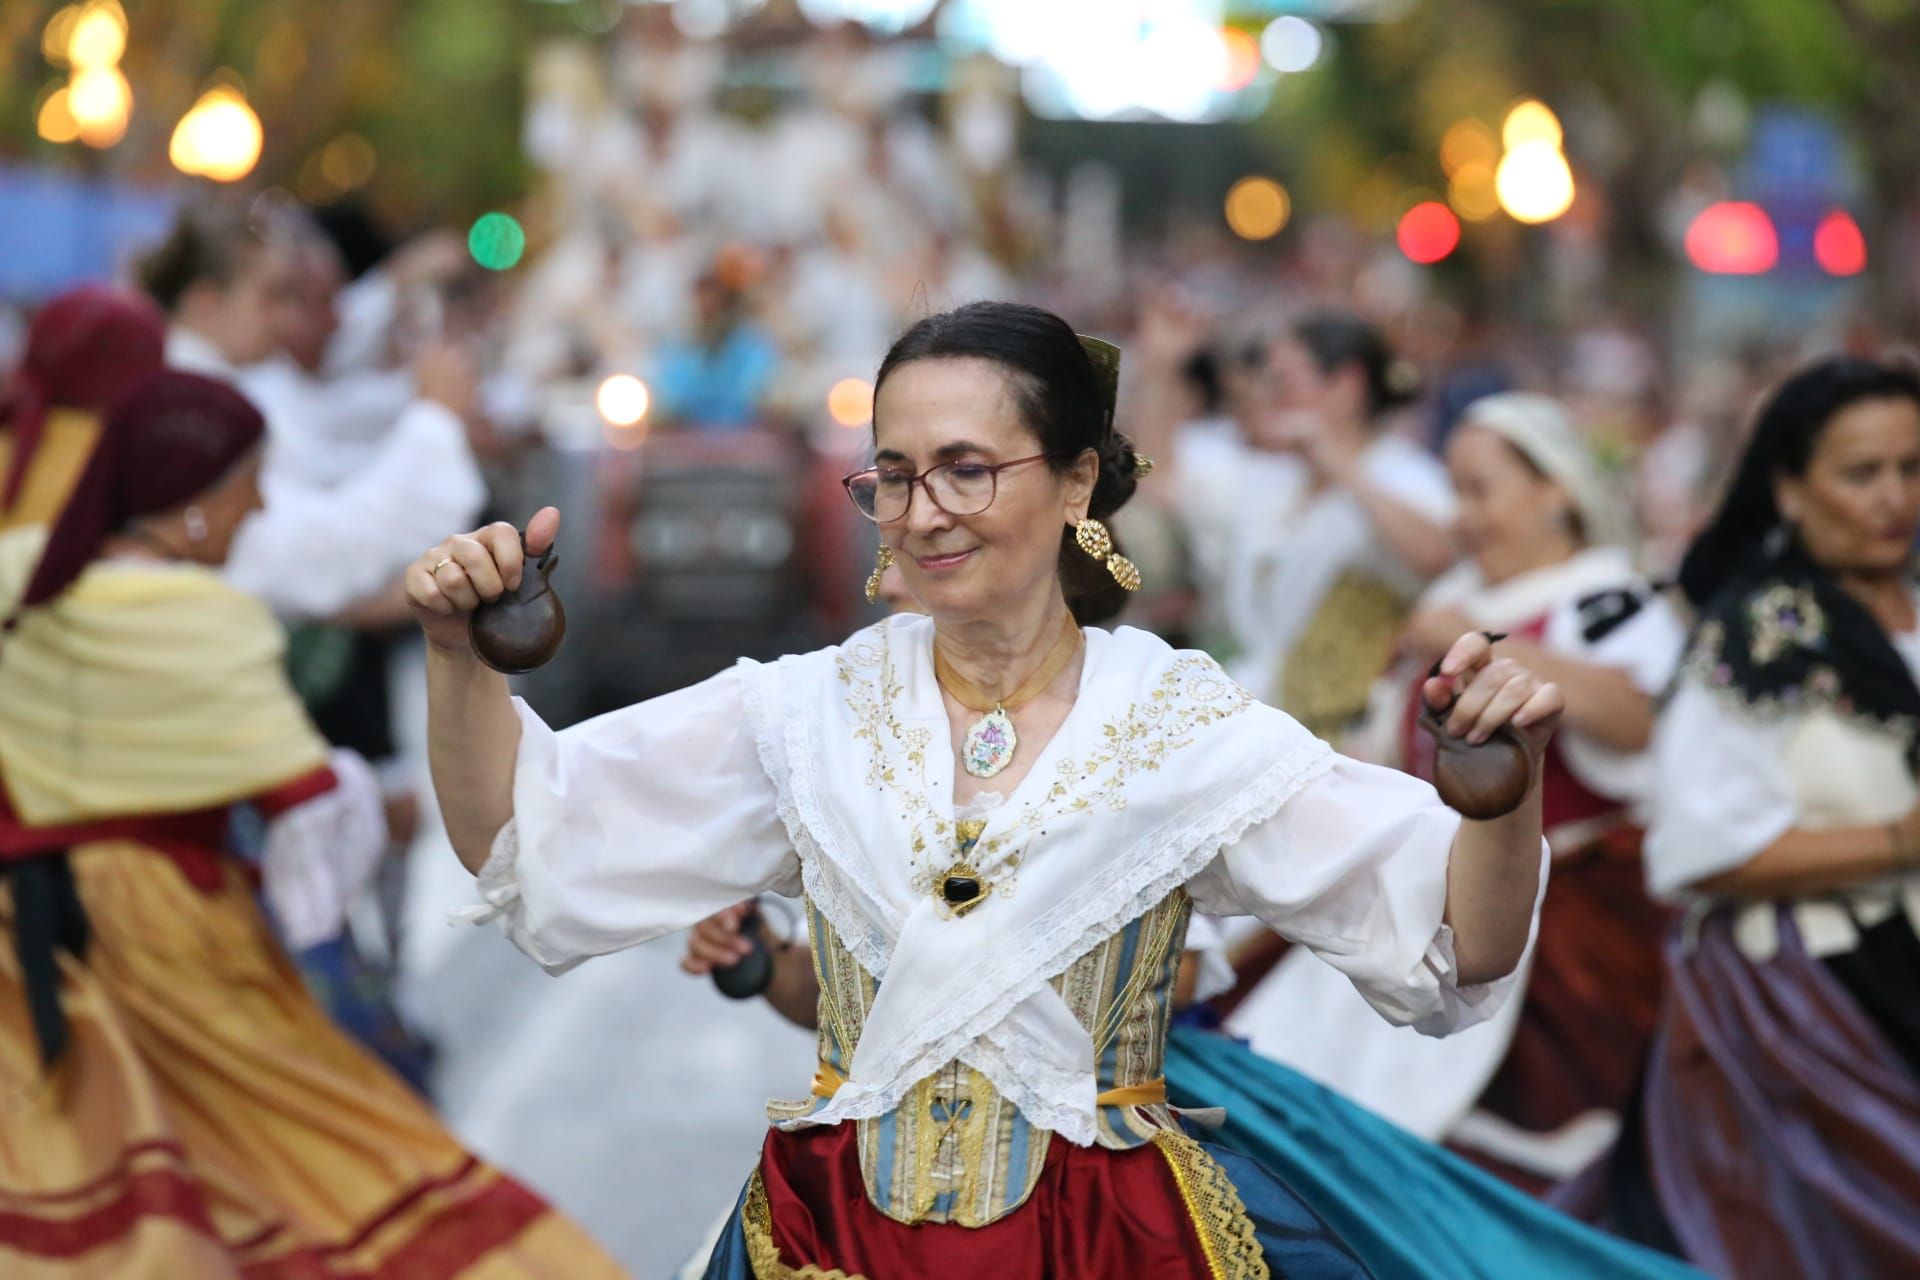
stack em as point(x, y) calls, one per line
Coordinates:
point(496, 241)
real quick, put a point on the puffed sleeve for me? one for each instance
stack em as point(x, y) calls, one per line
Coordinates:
point(1721, 791)
point(635, 824)
point(1354, 867)
point(1638, 633)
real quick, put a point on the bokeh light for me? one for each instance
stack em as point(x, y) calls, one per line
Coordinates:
point(1243, 60)
point(623, 400)
point(348, 162)
point(1733, 238)
point(1838, 245)
point(1530, 122)
point(850, 402)
point(219, 138)
point(888, 17)
point(1292, 44)
point(101, 102)
point(1472, 191)
point(1468, 142)
point(1428, 232)
point(1534, 182)
point(98, 37)
point(702, 19)
point(57, 36)
point(1257, 208)
point(497, 241)
point(54, 121)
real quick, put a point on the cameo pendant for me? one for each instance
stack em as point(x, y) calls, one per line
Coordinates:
point(989, 744)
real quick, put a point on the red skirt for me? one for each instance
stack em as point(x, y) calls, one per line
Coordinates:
point(1172, 1209)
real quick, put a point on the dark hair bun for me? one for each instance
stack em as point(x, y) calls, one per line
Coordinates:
point(1119, 476)
point(1338, 339)
point(205, 244)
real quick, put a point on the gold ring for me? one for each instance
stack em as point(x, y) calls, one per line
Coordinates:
point(440, 564)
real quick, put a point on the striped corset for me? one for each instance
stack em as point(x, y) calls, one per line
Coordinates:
point(954, 1150)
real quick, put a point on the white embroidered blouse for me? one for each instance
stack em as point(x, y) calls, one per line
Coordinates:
point(831, 773)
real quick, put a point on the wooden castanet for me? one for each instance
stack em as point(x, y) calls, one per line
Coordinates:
point(1484, 780)
point(747, 978)
point(523, 629)
point(1479, 781)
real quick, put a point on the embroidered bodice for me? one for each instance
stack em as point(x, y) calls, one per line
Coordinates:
point(963, 1043)
point(954, 1150)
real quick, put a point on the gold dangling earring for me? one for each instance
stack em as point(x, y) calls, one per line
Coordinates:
point(882, 561)
point(1098, 543)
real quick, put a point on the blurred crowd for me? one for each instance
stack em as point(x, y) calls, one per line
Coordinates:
point(1352, 465)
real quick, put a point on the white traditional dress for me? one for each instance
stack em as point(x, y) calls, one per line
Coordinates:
point(1535, 1091)
point(1778, 1131)
point(979, 1073)
point(1314, 595)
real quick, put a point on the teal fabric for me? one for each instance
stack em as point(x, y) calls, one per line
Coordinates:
point(1408, 1209)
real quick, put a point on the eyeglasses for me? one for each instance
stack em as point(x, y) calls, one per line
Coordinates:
point(883, 494)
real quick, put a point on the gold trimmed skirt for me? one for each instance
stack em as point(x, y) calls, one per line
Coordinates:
point(208, 1119)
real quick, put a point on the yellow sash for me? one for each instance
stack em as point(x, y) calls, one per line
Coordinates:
point(827, 1081)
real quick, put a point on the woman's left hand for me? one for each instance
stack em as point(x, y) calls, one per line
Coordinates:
point(1492, 691)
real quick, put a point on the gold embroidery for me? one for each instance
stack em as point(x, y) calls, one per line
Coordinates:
point(1192, 694)
point(830, 992)
point(1329, 673)
point(756, 1221)
point(871, 700)
point(972, 1155)
point(1146, 970)
point(1219, 1218)
point(948, 1154)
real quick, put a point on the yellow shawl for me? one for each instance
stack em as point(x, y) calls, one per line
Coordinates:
point(147, 689)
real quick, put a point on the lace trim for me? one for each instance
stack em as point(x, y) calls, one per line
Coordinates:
point(828, 877)
point(1213, 1205)
point(784, 756)
point(498, 882)
point(1052, 1098)
point(1061, 1101)
point(763, 1255)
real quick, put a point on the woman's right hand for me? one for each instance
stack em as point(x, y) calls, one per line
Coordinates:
point(717, 942)
point(450, 581)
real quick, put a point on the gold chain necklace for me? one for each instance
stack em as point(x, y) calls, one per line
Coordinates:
point(991, 741)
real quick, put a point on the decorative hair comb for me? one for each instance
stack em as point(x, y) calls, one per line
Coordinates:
point(1106, 367)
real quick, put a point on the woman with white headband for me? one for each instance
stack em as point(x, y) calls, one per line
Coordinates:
point(1536, 1094)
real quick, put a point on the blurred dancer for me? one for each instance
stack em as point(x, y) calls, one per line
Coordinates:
point(178, 1104)
point(1536, 1094)
point(1320, 586)
point(231, 286)
point(1780, 1132)
point(85, 349)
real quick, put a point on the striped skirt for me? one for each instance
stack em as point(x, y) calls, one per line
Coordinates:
point(208, 1120)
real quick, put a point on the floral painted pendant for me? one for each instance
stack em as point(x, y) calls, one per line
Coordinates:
point(989, 744)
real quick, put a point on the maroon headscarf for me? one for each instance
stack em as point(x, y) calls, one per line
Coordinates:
point(85, 350)
point(170, 439)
